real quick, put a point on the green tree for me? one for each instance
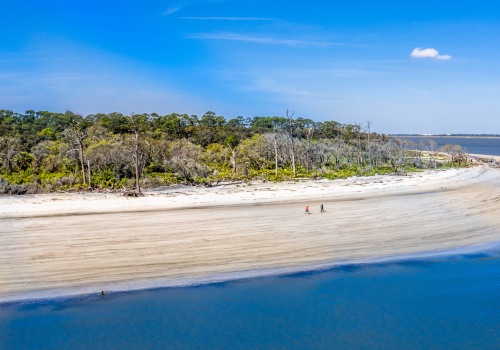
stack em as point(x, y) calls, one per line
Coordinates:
point(23, 161)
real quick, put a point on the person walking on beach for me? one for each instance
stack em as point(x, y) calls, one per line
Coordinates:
point(322, 208)
point(307, 210)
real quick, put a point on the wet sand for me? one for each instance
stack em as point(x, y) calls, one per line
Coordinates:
point(57, 245)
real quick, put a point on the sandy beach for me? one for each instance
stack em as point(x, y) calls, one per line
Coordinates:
point(65, 244)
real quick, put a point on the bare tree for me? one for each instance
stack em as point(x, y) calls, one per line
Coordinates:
point(358, 128)
point(309, 135)
point(369, 123)
point(457, 153)
point(78, 129)
point(138, 124)
point(431, 148)
point(398, 154)
point(9, 147)
point(291, 129)
point(186, 160)
point(377, 152)
point(275, 137)
point(337, 149)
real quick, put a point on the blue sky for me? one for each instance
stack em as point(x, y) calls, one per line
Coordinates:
point(416, 67)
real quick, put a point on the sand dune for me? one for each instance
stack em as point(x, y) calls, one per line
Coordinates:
point(53, 245)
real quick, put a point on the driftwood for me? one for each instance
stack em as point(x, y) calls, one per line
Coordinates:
point(491, 162)
point(132, 193)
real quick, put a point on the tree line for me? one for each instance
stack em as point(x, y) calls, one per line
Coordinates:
point(46, 151)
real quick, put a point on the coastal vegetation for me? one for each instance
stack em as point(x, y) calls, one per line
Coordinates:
point(46, 151)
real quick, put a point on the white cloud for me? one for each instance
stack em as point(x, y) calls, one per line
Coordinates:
point(428, 53)
point(187, 3)
point(443, 57)
point(261, 40)
point(230, 18)
point(171, 10)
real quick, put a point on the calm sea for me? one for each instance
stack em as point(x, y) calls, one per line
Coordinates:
point(474, 145)
point(447, 302)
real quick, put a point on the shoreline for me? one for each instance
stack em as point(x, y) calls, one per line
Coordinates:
point(453, 136)
point(68, 294)
point(80, 244)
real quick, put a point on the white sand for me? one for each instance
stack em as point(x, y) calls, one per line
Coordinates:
point(62, 244)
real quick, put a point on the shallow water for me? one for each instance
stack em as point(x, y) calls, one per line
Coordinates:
point(443, 302)
point(474, 145)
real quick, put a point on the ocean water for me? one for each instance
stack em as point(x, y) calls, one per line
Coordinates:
point(474, 145)
point(443, 302)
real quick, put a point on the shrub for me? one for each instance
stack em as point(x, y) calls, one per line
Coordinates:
point(4, 185)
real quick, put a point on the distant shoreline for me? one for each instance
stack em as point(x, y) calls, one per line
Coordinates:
point(452, 136)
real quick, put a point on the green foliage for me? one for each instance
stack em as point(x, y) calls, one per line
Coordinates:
point(19, 178)
point(343, 173)
point(45, 151)
point(22, 161)
point(163, 179)
point(216, 156)
point(232, 141)
point(47, 134)
point(107, 179)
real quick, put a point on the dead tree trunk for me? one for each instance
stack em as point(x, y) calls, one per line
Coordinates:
point(369, 146)
point(275, 134)
point(137, 125)
point(308, 151)
point(232, 142)
point(289, 115)
point(88, 170)
point(78, 131)
point(233, 159)
point(82, 159)
point(358, 136)
point(136, 141)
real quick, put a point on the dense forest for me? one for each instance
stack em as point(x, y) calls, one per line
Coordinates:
point(45, 151)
